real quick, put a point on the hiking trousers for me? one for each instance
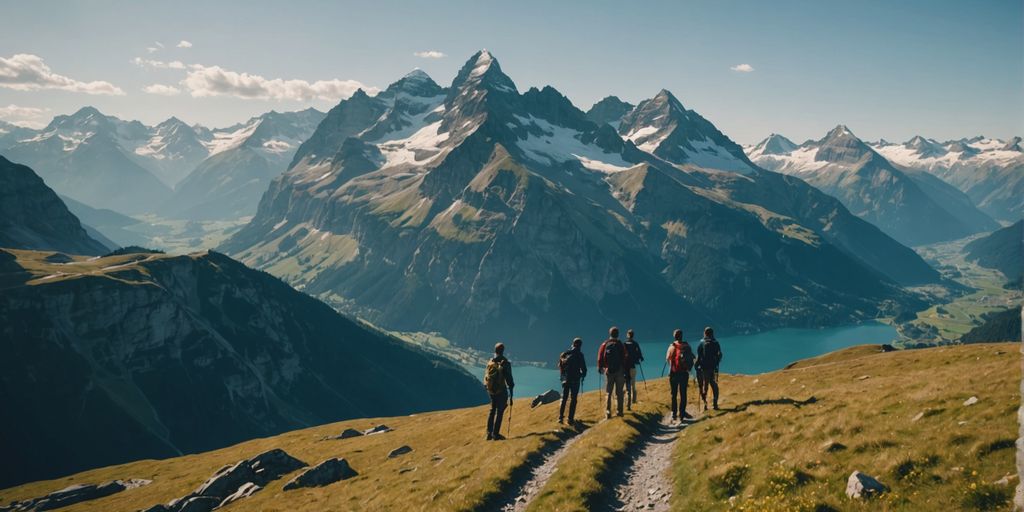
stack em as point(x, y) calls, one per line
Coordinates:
point(498, 404)
point(677, 383)
point(616, 380)
point(570, 390)
point(630, 387)
point(709, 378)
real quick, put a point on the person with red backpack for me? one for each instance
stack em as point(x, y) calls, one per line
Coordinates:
point(498, 383)
point(612, 360)
point(680, 360)
point(573, 369)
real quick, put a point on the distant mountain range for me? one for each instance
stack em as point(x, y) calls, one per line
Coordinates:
point(126, 166)
point(910, 205)
point(989, 171)
point(33, 217)
point(141, 356)
point(487, 214)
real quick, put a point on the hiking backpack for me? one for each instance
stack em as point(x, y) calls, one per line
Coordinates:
point(494, 377)
point(679, 359)
point(614, 356)
point(563, 360)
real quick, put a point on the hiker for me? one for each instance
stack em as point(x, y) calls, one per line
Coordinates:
point(498, 382)
point(611, 361)
point(573, 368)
point(633, 361)
point(709, 356)
point(680, 360)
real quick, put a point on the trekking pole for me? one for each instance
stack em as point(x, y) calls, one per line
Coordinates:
point(510, 416)
point(644, 377)
point(663, 365)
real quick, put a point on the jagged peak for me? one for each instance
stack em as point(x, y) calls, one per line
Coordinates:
point(482, 69)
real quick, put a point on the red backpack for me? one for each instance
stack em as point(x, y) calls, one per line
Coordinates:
point(679, 361)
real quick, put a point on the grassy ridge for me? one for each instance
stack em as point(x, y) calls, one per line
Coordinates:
point(772, 445)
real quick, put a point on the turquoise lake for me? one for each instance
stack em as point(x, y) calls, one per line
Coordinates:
point(747, 354)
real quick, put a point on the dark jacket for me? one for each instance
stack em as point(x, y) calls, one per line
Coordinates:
point(709, 355)
point(635, 354)
point(574, 367)
point(506, 372)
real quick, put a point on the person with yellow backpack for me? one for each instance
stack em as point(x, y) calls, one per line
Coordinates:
point(498, 383)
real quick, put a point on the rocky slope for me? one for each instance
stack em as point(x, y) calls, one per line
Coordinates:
point(33, 217)
point(145, 355)
point(243, 160)
point(989, 171)
point(911, 206)
point(484, 213)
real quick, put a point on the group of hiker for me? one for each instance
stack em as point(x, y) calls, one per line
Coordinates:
point(618, 362)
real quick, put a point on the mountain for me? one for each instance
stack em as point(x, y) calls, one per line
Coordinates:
point(243, 160)
point(912, 207)
point(485, 214)
point(609, 111)
point(989, 171)
point(10, 134)
point(102, 223)
point(774, 144)
point(33, 217)
point(142, 355)
point(87, 156)
point(172, 150)
point(1002, 250)
point(1002, 326)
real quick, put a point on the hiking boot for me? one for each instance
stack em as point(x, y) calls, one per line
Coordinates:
point(561, 421)
point(499, 437)
point(489, 436)
point(619, 414)
point(716, 406)
point(629, 408)
point(608, 415)
point(673, 418)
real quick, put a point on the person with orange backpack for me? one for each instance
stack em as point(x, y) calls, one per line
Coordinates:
point(498, 383)
point(612, 360)
point(572, 367)
point(680, 360)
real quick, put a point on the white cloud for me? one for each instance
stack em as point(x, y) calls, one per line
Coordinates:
point(743, 68)
point(29, 117)
point(184, 44)
point(27, 72)
point(162, 90)
point(158, 64)
point(157, 46)
point(204, 81)
point(430, 54)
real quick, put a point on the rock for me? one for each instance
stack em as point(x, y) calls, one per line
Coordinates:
point(832, 446)
point(406, 470)
point(235, 481)
point(860, 485)
point(917, 416)
point(1006, 480)
point(888, 348)
point(401, 450)
point(75, 494)
point(971, 401)
point(546, 397)
point(864, 377)
point(379, 429)
point(325, 473)
point(247, 489)
point(347, 433)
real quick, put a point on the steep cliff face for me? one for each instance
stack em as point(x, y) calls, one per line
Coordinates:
point(146, 355)
point(33, 217)
point(487, 214)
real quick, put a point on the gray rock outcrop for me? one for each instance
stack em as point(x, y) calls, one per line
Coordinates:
point(325, 473)
point(546, 397)
point(860, 485)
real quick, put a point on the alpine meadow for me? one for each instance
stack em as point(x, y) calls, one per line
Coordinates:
point(477, 256)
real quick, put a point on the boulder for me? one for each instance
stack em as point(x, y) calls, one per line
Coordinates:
point(546, 397)
point(324, 473)
point(401, 450)
point(247, 489)
point(75, 494)
point(234, 482)
point(379, 429)
point(971, 401)
point(347, 433)
point(860, 485)
point(833, 446)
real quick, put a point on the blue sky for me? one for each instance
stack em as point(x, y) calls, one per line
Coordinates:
point(886, 69)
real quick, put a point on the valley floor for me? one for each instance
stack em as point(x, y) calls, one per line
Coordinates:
point(937, 426)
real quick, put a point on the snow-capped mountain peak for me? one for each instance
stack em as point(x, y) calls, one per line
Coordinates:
point(774, 144)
